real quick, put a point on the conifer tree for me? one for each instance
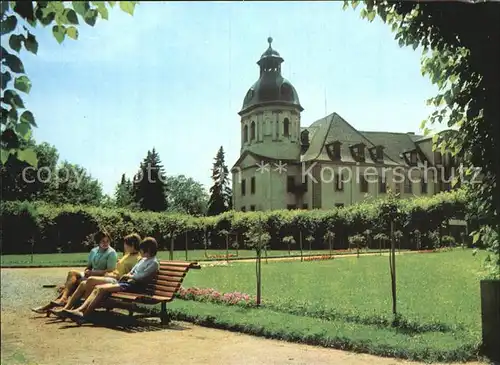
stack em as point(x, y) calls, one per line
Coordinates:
point(220, 192)
point(149, 186)
point(123, 193)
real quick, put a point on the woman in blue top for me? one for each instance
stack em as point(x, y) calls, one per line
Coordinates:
point(135, 281)
point(102, 259)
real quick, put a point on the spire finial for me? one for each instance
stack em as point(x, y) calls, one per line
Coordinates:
point(270, 40)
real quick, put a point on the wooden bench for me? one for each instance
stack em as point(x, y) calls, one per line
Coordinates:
point(161, 289)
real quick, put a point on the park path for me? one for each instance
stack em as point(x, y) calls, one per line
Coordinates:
point(28, 338)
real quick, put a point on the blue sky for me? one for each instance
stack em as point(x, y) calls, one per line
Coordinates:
point(173, 77)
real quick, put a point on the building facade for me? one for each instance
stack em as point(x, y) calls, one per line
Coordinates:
point(283, 165)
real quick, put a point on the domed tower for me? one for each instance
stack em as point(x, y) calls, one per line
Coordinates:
point(270, 115)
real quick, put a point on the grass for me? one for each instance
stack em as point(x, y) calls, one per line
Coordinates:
point(343, 303)
point(80, 259)
point(346, 303)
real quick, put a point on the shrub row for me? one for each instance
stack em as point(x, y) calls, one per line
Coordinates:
point(43, 228)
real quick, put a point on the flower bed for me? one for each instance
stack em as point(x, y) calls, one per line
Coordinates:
point(212, 295)
point(221, 256)
point(319, 258)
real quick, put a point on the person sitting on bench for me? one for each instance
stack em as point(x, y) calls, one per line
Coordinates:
point(125, 264)
point(135, 281)
point(102, 259)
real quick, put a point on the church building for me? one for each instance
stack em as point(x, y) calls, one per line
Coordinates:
point(283, 165)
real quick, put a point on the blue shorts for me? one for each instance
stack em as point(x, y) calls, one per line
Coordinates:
point(130, 287)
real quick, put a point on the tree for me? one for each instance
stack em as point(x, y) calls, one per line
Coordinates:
point(73, 185)
point(19, 18)
point(461, 46)
point(220, 192)
point(258, 238)
point(186, 195)
point(21, 181)
point(149, 186)
point(123, 193)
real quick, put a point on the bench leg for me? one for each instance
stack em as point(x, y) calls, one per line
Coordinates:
point(163, 314)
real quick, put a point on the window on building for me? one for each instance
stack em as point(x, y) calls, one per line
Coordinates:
point(380, 153)
point(333, 150)
point(363, 183)
point(252, 185)
point(291, 206)
point(286, 127)
point(413, 157)
point(243, 187)
point(438, 158)
point(243, 209)
point(361, 152)
point(423, 186)
point(252, 131)
point(408, 185)
point(245, 133)
point(339, 205)
point(339, 182)
point(290, 184)
point(305, 206)
point(252, 208)
point(382, 186)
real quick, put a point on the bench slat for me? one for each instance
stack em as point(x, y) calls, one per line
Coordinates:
point(164, 293)
point(173, 268)
point(169, 278)
point(164, 285)
point(179, 263)
point(171, 273)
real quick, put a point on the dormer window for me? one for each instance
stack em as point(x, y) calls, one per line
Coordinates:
point(358, 152)
point(252, 131)
point(413, 157)
point(438, 158)
point(333, 150)
point(377, 153)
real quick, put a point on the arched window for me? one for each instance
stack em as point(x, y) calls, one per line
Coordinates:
point(286, 127)
point(245, 133)
point(252, 131)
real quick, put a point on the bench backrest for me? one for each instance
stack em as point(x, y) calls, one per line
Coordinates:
point(169, 278)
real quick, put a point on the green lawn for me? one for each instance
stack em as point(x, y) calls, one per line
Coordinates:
point(64, 259)
point(343, 303)
point(438, 297)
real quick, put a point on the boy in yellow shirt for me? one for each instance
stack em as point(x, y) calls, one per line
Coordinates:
point(131, 256)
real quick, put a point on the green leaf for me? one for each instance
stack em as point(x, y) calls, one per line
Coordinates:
point(476, 237)
point(13, 99)
point(59, 33)
point(8, 25)
point(371, 15)
point(31, 44)
point(28, 155)
point(101, 8)
point(15, 42)
point(90, 17)
point(12, 115)
point(127, 6)
point(81, 7)
point(25, 10)
point(423, 123)
point(14, 63)
point(5, 79)
point(355, 4)
point(71, 16)
point(346, 5)
point(4, 155)
point(72, 32)
point(111, 3)
point(23, 129)
point(27, 117)
point(23, 84)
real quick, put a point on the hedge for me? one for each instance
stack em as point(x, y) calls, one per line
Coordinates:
point(45, 228)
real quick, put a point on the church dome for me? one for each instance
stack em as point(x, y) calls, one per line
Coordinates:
point(271, 87)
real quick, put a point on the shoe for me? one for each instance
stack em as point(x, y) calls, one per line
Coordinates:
point(79, 320)
point(39, 310)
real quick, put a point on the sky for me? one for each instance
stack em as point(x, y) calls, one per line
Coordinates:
point(173, 76)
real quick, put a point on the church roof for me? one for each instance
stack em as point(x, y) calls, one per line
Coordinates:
point(334, 128)
point(395, 143)
point(271, 87)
